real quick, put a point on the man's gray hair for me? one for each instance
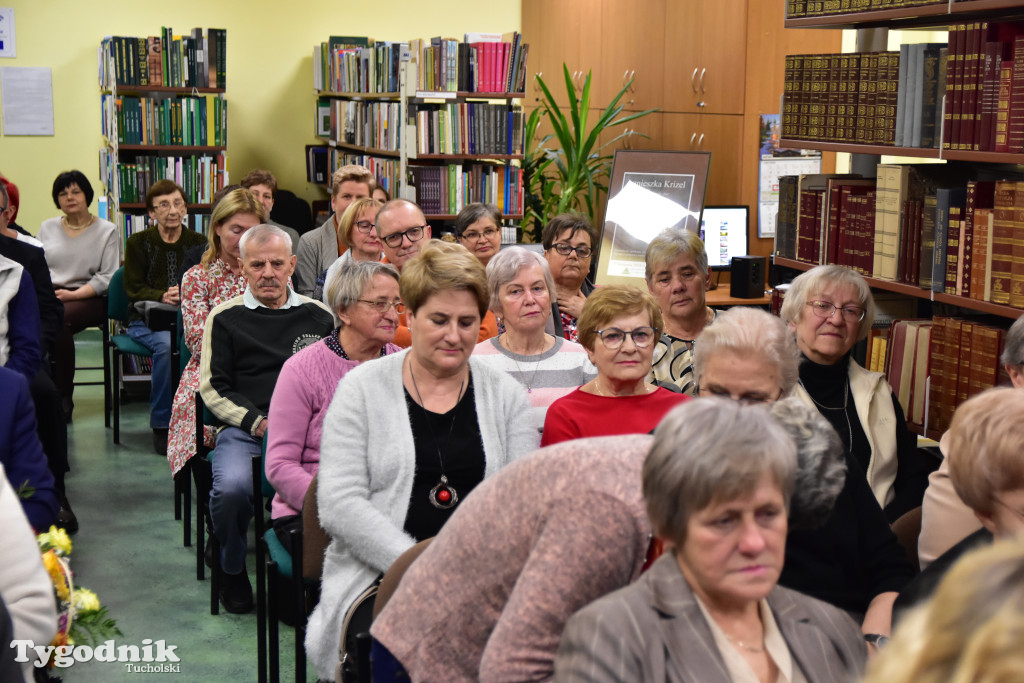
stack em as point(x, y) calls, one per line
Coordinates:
point(671, 245)
point(1013, 344)
point(261, 234)
point(505, 266)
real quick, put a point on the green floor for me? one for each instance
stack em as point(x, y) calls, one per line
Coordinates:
point(129, 549)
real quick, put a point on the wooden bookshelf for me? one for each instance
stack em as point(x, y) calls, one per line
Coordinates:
point(359, 95)
point(1000, 310)
point(466, 157)
point(920, 152)
point(372, 151)
point(187, 149)
point(916, 17)
point(149, 89)
point(465, 95)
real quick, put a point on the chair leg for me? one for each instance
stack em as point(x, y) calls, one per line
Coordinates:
point(106, 376)
point(261, 573)
point(116, 396)
point(186, 505)
point(215, 576)
point(178, 495)
point(299, 600)
point(273, 637)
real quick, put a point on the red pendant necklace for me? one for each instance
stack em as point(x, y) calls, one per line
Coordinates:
point(443, 496)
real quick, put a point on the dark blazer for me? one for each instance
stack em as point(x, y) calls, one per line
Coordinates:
point(654, 630)
point(22, 454)
point(51, 309)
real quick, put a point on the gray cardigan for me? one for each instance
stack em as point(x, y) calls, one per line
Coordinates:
point(317, 251)
point(367, 463)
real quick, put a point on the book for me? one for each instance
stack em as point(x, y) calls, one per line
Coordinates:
point(981, 257)
point(945, 199)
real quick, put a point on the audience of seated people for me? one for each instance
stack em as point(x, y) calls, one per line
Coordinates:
point(216, 279)
point(319, 248)
point(568, 240)
point(410, 435)
point(618, 327)
point(151, 260)
point(357, 228)
point(677, 273)
point(245, 342)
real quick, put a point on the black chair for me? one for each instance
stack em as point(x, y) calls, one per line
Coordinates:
point(292, 211)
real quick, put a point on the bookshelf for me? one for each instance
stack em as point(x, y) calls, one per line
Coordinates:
point(164, 115)
point(425, 117)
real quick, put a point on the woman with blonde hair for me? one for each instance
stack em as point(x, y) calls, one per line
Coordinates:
point(217, 278)
point(356, 230)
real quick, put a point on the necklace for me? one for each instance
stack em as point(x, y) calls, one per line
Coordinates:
point(846, 413)
point(597, 390)
point(529, 385)
point(743, 646)
point(68, 225)
point(442, 496)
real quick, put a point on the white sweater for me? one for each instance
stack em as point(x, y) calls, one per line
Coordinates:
point(367, 464)
point(89, 258)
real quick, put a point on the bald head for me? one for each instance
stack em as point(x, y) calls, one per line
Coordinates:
point(404, 218)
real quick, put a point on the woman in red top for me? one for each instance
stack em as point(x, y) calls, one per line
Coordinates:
point(618, 327)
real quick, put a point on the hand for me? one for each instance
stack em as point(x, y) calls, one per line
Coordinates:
point(171, 296)
point(65, 294)
point(572, 305)
point(261, 429)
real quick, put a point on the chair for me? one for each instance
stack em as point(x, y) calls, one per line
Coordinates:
point(104, 329)
point(907, 529)
point(182, 481)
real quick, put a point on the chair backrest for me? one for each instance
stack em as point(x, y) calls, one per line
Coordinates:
point(314, 538)
point(394, 574)
point(117, 298)
point(907, 529)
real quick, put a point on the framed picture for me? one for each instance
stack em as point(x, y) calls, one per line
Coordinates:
point(648, 192)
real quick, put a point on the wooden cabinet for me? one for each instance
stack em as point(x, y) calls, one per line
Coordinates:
point(562, 32)
point(632, 46)
point(705, 45)
point(715, 133)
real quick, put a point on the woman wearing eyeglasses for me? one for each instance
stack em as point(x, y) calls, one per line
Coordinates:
point(356, 229)
point(830, 308)
point(366, 302)
point(568, 241)
point(618, 327)
point(478, 229)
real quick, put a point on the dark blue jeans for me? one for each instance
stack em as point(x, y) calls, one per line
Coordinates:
point(161, 393)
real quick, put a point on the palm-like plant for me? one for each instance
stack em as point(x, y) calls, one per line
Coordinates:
point(572, 176)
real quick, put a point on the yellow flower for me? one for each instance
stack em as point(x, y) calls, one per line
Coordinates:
point(56, 539)
point(57, 574)
point(85, 600)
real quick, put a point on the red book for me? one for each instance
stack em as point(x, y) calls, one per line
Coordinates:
point(954, 87)
point(1002, 241)
point(970, 86)
point(1015, 135)
point(979, 196)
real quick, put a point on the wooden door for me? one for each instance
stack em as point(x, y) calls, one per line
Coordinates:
point(719, 134)
point(561, 32)
point(632, 42)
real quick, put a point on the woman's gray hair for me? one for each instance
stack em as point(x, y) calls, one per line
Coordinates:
point(351, 280)
point(261, 234)
point(747, 331)
point(672, 244)
point(505, 266)
point(709, 450)
point(815, 281)
point(1013, 344)
point(821, 464)
point(471, 213)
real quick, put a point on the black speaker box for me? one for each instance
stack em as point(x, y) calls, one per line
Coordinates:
point(747, 277)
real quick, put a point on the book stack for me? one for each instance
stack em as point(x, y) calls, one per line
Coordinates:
point(322, 160)
point(357, 64)
point(446, 190)
point(482, 63)
point(963, 361)
point(192, 121)
point(199, 176)
point(197, 60)
point(373, 124)
point(816, 8)
point(469, 128)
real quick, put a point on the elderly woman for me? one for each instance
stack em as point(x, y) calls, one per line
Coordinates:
point(568, 241)
point(547, 366)
point(356, 230)
point(618, 327)
point(830, 308)
point(970, 631)
point(945, 519)
point(678, 277)
point(366, 301)
point(409, 436)
point(216, 279)
point(987, 471)
point(852, 559)
point(478, 228)
point(717, 486)
point(81, 251)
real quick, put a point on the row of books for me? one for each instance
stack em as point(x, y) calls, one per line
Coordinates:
point(358, 64)
point(137, 365)
point(199, 120)
point(197, 60)
point(469, 128)
point(375, 124)
point(131, 223)
point(816, 8)
point(841, 97)
point(322, 161)
point(199, 176)
point(483, 62)
point(984, 108)
point(922, 225)
point(448, 189)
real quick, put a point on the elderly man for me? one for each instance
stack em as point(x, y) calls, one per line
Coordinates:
point(263, 186)
point(245, 343)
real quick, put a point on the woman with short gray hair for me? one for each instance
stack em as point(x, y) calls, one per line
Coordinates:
point(547, 366)
point(366, 302)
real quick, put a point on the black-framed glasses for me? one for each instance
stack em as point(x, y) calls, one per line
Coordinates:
point(394, 240)
point(365, 226)
point(566, 249)
point(746, 399)
point(382, 306)
point(167, 206)
point(826, 309)
point(612, 337)
point(489, 233)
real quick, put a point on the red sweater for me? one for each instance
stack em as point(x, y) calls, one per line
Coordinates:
point(579, 415)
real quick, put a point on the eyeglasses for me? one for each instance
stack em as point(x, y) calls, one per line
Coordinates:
point(167, 206)
point(383, 306)
point(613, 337)
point(826, 309)
point(566, 249)
point(365, 226)
point(489, 233)
point(394, 240)
point(745, 399)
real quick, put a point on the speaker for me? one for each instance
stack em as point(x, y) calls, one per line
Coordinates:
point(747, 275)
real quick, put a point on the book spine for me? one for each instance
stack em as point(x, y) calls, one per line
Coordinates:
point(1002, 241)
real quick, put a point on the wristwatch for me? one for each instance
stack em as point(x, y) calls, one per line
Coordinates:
point(876, 639)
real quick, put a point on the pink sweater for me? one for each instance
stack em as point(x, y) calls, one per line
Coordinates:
point(301, 397)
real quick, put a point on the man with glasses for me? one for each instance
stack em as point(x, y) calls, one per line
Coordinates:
point(245, 343)
point(151, 266)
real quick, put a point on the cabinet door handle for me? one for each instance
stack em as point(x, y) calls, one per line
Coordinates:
point(693, 79)
point(625, 77)
point(700, 142)
point(632, 81)
point(628, 144)
point(692, 138)
point(702, 72)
